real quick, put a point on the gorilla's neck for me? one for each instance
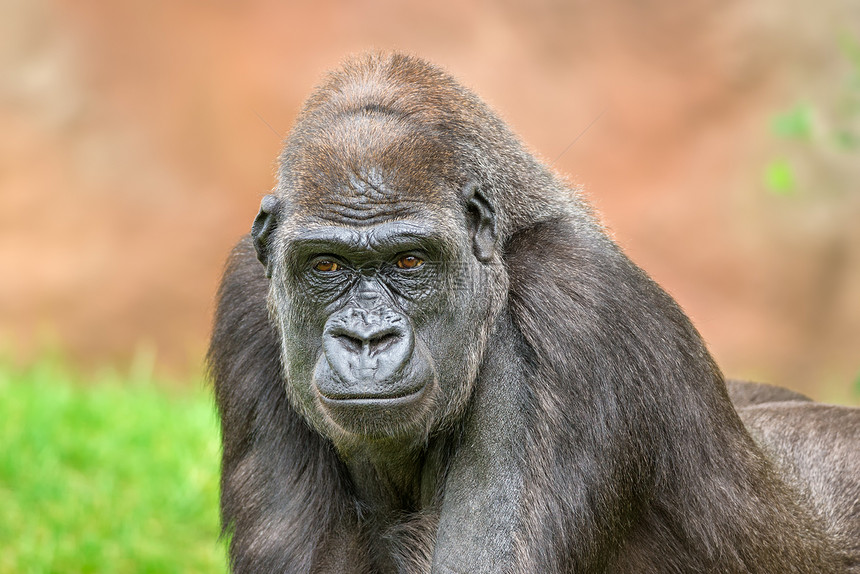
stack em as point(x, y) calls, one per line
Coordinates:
point(390, 476)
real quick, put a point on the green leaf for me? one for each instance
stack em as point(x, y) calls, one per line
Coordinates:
point(796, 123)
point(779, 177)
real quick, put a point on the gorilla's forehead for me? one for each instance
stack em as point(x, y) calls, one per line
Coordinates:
point(369, 195)
point(366, 166)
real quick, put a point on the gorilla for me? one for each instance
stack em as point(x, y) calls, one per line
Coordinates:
point(429, 356)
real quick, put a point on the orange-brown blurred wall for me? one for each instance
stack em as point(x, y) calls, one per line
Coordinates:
point(136, 139)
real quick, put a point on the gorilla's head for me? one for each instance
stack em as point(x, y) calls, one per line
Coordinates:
point(385, 265)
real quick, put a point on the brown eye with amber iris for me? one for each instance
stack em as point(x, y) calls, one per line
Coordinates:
point(409, 262)
point(326, 266)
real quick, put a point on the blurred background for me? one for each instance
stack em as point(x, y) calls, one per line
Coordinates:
point(138, 138)
point(720, 139)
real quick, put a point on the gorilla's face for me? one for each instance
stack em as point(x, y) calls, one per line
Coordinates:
point(379, 289)
point(376, 319)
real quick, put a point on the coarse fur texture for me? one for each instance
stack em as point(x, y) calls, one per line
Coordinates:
point(444, 364)
point(747, 393)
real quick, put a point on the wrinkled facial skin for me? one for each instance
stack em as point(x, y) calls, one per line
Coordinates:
point(381, 333)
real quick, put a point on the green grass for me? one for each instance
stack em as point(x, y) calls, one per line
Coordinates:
point(106, 475)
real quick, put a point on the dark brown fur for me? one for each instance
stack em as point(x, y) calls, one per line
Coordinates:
point(595, 433)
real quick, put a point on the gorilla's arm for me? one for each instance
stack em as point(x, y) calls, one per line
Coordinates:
point(818, 448)
point(480, 510)
point(745, 393)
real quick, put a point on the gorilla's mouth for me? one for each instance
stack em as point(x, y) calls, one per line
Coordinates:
point(368, 406)
point(369, 390)
point(369, 397)
point(376, 410)
point(358, 379)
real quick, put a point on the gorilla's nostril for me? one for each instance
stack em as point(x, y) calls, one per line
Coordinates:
point(351, 344)
point(383, 342)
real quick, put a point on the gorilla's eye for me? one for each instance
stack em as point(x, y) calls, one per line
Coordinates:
point(409, 262)
point(326, 266)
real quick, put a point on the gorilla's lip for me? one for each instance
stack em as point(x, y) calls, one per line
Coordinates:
point(370, 398)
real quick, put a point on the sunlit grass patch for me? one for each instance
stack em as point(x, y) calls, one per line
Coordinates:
point(102, 476)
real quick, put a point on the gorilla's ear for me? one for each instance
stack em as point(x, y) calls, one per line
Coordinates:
point(264, 225)
point(481, 219)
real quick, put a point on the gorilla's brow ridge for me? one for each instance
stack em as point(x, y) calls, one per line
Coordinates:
point(402, 235)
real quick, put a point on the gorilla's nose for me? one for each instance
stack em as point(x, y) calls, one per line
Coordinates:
point(368, 341)
point(367, 351)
